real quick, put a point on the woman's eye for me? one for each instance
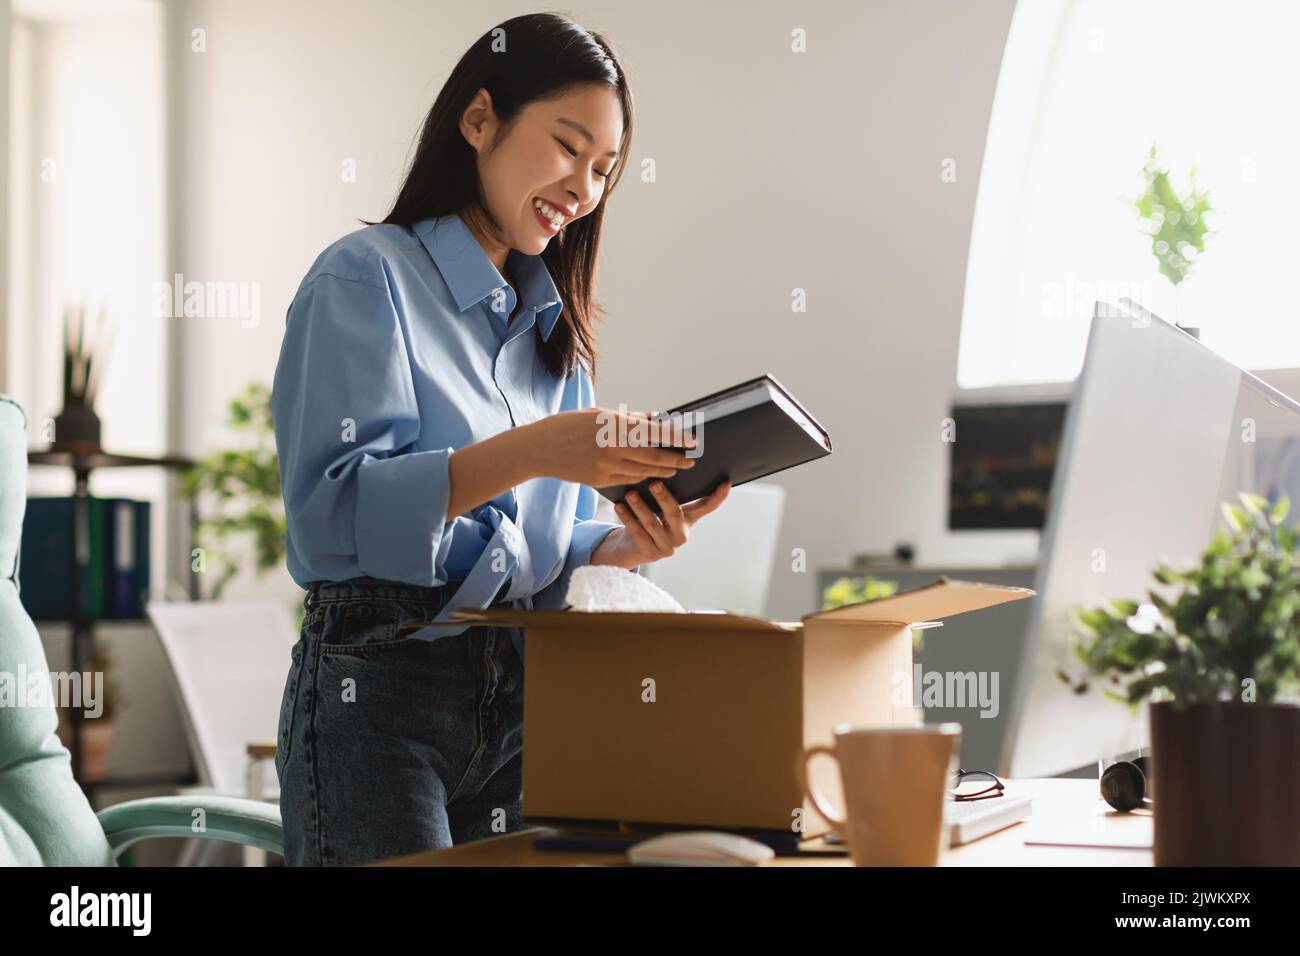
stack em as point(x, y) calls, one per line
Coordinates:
point(570, 150)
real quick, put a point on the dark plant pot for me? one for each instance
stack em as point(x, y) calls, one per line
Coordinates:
point(77, 424)
point(1226, 782)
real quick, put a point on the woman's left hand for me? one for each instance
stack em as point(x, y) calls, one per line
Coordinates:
point(645, 536)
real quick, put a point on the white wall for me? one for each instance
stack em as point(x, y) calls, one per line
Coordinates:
point(698, 268)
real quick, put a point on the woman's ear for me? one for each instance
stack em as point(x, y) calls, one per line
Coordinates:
point(477, 122)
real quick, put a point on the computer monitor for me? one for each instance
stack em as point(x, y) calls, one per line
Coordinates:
point(1159, 431)
point(1000, 472)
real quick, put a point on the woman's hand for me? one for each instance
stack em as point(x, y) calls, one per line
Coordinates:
point(646, 537)
point(600, 446)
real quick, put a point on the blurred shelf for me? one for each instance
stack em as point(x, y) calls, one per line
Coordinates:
point(85, 457)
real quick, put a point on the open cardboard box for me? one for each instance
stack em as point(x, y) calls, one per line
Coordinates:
point(699, 718)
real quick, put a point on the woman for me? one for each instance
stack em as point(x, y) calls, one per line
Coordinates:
point(438, 449)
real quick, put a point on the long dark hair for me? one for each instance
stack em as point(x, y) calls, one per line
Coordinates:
point(544, 55)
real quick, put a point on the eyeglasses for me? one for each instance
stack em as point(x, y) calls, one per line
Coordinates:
point(975, 785)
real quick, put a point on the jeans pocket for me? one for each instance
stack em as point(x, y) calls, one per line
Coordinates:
point(363, 627)
point(288, 708)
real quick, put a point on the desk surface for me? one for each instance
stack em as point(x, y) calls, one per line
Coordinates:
point(1061, 808)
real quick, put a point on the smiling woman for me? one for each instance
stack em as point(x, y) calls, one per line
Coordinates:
point(535, 133)
point(439, 446)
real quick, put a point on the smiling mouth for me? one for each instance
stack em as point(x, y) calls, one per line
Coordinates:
point(549, 216)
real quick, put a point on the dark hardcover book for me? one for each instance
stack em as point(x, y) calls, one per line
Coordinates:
point(745, 432)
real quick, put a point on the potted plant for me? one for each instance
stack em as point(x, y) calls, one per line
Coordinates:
point(77, 427)
point(1215, 657)
point(1174, 222)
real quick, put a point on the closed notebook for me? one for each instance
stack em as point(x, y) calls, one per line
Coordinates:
point(745, 432)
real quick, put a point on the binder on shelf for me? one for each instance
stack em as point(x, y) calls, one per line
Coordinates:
point(111, 564)
point(126, 557)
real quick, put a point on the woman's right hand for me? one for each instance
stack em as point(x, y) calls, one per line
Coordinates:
point(600, 446)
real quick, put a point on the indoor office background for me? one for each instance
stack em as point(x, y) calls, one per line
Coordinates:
point(841, 196)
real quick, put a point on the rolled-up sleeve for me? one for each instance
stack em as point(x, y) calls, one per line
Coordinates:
point(587, 533)
point(346, 424)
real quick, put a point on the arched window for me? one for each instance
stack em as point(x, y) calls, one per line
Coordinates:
point(1086, 88)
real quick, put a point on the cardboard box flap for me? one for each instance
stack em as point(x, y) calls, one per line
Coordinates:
point(944, 598)
point(598, 620)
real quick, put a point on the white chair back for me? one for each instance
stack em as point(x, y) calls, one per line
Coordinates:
point(229, 660)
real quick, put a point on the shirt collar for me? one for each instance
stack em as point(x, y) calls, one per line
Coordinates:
point(471, 276)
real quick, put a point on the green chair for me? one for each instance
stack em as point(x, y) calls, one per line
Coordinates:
point(45, 818)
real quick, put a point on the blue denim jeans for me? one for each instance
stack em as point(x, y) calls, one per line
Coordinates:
point(389, 745)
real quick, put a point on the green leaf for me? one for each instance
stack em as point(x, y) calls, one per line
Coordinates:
point(1120, 609)
point(1235, 517)
point(1254, 504)
point(1280, 510)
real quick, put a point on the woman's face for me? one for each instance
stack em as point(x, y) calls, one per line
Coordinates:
point(559, 151)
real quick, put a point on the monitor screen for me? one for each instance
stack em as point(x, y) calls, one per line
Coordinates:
point(1001, 461)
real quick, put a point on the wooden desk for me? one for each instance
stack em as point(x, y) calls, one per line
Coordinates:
point(1060, 806)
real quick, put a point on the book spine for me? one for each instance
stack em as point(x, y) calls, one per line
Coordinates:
point(122, 548)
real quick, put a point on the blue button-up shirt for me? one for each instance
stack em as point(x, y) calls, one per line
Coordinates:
point(398, 351)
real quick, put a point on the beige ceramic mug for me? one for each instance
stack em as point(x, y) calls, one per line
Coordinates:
point(895, 782)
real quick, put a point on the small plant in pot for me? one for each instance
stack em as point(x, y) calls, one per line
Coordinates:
point(1216, 657)
point(85, 352)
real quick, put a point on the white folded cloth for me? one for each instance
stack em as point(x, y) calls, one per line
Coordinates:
point(606, 588)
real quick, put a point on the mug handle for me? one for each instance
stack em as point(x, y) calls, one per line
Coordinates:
point(818, 800)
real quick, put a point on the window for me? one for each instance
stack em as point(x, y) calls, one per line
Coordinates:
point(87, 170)
point(1086, 88)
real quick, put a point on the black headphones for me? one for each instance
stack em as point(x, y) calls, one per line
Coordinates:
point(1124, 784)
